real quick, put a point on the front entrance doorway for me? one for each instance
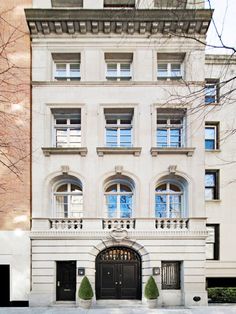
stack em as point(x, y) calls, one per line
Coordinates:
point(66, 281)
point(5, 285)
point(118, 274)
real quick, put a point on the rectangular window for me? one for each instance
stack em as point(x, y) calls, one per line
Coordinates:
point(118, 66)
point(211, 136)
point(170, 275)
point(212, 185)
point(170, 128)
point(67, 128)
point(167, 4)
point(211, 91)
point(66, 66)
point(67, 3)
point(212, 242)
point(169, 66)
point(118, 128)
point(119, 3)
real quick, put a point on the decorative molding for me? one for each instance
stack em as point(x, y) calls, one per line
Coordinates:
point(65, 169)
point(173, 151)
point(142, 21)
point(119, 169)
point(118, 234)
point(82, 151)
point(172, 169)
point(101, 151)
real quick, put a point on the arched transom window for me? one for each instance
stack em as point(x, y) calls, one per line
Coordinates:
point(168, 200)
point(68, 201)
point(119, 201)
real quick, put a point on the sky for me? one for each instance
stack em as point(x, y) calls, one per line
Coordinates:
point(225, 19)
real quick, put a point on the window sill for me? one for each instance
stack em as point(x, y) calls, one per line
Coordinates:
point(212, 150)
point(47, 151)
point(171, 150)
point(136, 151)
point(212, 201)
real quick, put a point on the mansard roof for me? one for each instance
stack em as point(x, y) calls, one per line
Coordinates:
point(106, 21)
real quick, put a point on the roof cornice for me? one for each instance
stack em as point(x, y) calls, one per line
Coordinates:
point(83, 21)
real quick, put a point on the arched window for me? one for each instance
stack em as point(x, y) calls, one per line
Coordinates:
point(68, 201)
point(119, 200)
point(168, 200)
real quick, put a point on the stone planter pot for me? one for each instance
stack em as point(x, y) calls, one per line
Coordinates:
point(85, 304)
point(152, 303)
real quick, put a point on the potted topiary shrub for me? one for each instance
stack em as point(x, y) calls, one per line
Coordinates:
point(151, 293)
point(85, 293)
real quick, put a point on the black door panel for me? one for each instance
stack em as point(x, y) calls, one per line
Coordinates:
point(66, 281)
point(5, 285)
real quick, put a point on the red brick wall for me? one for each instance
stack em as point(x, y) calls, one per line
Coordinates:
point(14, 116)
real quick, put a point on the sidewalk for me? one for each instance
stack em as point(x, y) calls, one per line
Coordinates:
point(212, 309)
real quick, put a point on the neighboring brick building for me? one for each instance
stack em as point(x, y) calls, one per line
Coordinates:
point(14, 152)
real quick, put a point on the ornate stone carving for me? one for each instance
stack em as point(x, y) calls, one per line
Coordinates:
point(65, 169)
point(119, 234)
point(172, 169)
point(119, 169)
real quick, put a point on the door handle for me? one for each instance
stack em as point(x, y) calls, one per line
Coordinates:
point(120, 282)
point(58, 284)
point(116, 282)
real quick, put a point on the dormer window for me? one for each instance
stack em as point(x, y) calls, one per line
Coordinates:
point(118, 66)
point(66, 66)
point(169, 66)
point(119, 3)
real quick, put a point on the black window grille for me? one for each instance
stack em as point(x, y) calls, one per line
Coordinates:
point(170, 275)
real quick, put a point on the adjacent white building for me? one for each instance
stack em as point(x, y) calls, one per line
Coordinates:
point(132, 170)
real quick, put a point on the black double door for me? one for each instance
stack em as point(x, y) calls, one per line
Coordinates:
point(5, 285)
point(118, 280)
point(66, 281)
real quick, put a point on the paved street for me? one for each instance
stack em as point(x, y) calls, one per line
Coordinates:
point(221, 309)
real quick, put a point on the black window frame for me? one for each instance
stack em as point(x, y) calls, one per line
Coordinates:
point(216, 243)
point(216, 83)
point(176, 285)
point(216, 187)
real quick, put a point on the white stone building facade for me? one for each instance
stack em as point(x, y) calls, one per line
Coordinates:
point(122, 158)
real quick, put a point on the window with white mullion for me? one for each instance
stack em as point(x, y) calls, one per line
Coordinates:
point(211, 133)
point(67, 131)
point(168, 133)
point(67, 71)
point(169, 70)
point(118, 134)
point(118, 71)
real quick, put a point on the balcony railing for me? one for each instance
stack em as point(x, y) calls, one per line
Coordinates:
point(100, 225)
point(66, 224)
point(118, 224)
point(171, 224)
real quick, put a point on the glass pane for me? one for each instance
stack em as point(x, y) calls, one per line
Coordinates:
point(209, 193)
point(209, 180)
point(209, 144)
point(125, 188)
point(162, 70)
point(61, 121)
point(61, 137)
point(209, 251)
point(75, 188)
point(75, 70)
point(174, 188)
point(210, 93)
point(62, 188)
point(175, 137)
point(76, 209)
point(111, 121)
point(210, 133)
point(162, 122)
point(160, 206)
point(161, 138)
point(125, 206)
point(111, 137)
point(60, 70)
point(61, 206)
point(176, 70)
point(125, 137)
point(175, 206)
point(125, 121)
point(111, 206)
point(111, 70)
point(161, 188)
point(75, 121)
point(211, 234)
point(112, 188)
point(125, 70)
point(175, 121)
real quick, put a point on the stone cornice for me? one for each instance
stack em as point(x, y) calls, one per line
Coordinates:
point(83, 21)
